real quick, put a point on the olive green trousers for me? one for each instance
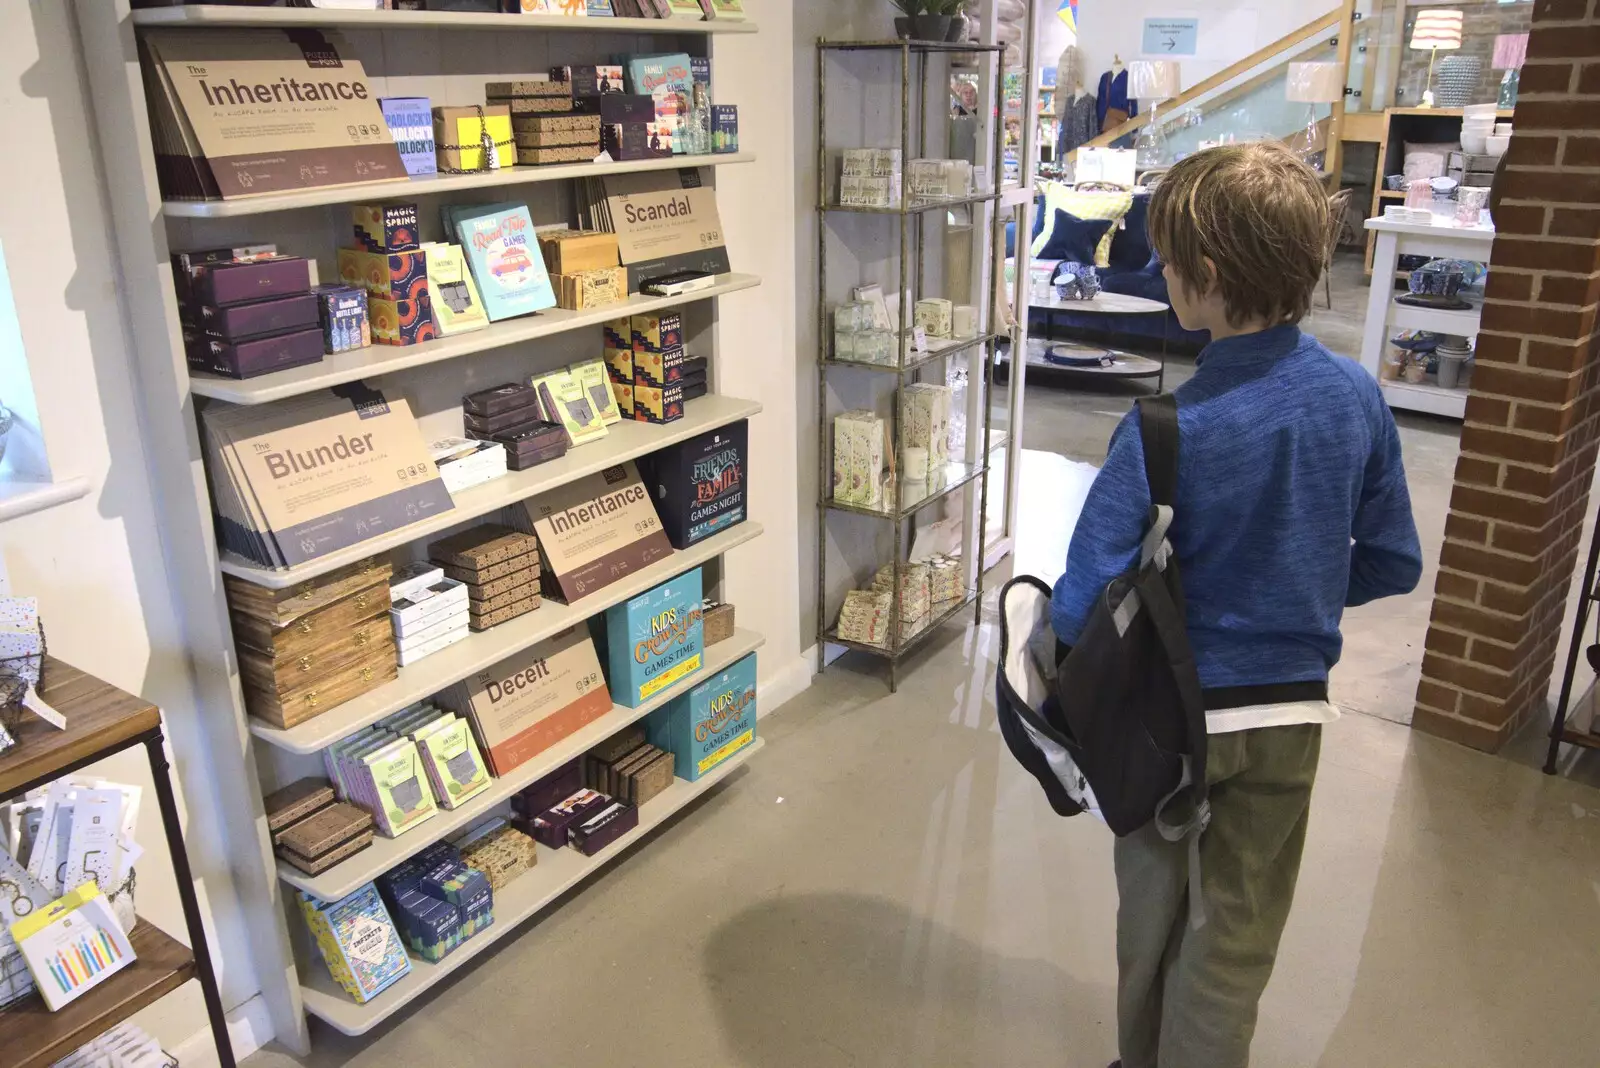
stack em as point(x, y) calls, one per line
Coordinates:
point(1187, 998)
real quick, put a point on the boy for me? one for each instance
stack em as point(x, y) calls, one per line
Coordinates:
point(1291, 505)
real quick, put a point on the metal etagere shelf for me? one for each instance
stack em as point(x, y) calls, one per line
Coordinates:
point(919, 64)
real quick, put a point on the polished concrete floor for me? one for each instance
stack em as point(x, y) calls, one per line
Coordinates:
point(883, 886)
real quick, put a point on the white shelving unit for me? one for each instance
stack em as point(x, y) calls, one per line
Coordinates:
point(1385, 314)
point(252, 755)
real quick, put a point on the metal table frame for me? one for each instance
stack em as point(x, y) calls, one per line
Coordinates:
point(154, 742)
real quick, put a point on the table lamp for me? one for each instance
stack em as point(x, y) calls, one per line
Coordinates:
point(1312, 84)
point(1155, 80)
point(1435, 29)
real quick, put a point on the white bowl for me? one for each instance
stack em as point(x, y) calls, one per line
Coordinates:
point(1503, 128)
point(1478, 111)
point(1497, 144)
point(1474, 143)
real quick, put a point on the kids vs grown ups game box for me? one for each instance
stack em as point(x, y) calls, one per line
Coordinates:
point(709, 724)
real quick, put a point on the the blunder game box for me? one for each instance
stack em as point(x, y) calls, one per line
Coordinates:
point(698, 485)
point(655, 639)
point(710, 723)
point(594, 531)
point(530, 701)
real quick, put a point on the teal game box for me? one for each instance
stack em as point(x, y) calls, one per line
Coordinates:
point(711, 723)
point(655, 640)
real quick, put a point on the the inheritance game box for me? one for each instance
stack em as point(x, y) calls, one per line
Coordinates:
point(655, 639)
point(698, 485)
point(710, 723)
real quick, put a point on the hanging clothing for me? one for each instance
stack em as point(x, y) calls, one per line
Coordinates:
point(1080, 122)
point(1070, 77)
point(1112, 104)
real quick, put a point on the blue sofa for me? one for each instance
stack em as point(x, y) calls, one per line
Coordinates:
point(1134, 270)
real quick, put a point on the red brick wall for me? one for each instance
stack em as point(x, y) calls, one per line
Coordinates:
point(1533, 420)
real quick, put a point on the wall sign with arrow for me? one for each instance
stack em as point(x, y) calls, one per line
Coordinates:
point(1170, 37)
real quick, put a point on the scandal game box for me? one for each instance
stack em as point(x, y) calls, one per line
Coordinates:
point(655, 639)
point(710, 723)
point(698, 485)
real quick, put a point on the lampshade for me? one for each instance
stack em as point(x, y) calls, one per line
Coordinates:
point(1154, 79)
point(1510, 51)
point(1437, 29)
point(1314, 83)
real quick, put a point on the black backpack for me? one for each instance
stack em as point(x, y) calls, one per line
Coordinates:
point(1118, 724)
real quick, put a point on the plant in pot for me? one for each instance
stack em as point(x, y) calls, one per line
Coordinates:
point(923, 20)
point(957, 10)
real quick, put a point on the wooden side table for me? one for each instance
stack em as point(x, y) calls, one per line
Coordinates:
point(102, 720)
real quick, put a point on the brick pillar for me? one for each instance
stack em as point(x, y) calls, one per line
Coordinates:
point(1529, 439)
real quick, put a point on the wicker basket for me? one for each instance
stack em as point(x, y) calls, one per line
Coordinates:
point(17, 673)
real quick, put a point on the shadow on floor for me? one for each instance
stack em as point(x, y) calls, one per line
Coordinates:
point(825, 979)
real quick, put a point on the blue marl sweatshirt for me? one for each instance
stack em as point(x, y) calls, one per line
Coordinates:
point(1292, 504)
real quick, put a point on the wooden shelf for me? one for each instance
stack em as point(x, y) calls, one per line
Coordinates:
point(208, 15)
point(385, 853)
point(557, 871)
point(31, 1036)
point(447, 184)
point(486, 648)
point(100, 719)
point(625, 441)
point(376, 360)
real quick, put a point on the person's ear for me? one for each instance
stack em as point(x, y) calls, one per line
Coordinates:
point(1210, 278)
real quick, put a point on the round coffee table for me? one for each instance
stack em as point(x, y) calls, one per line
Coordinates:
point(1079, 358)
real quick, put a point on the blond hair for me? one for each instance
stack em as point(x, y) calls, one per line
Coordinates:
point(1256, 216)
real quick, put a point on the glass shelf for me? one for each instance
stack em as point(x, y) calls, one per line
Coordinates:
point(943, 612)
point(916, 205)
point(917, 495)
point(937, 349)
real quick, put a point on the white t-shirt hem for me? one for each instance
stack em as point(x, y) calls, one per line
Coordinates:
point(1288, 714)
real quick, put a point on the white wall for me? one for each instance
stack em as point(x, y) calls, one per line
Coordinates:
point(1229, 30)
point(757, 337)
point(96, 563)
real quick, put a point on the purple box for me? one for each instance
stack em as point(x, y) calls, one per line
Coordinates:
point(238, 283)
point(184, 264)
point(490, 425)
point(256, 356)
point(600, 828)
point(236, 322)
point(549, 828)
point(630, 141)
point(592, 80)
point(550, 790)
point(617, 107)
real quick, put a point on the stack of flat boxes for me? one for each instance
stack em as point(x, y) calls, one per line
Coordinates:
point(625, 121)
point(658, 368)
point(427, 609)
point(247, 311)
point(307, 648)
point(500, 568)
point(511, 415)
point(389, 264)
point(543, 124)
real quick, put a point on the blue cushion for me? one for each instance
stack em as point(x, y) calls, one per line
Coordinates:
point(1130, 247)
point(1074, 239)
point(1038, 216)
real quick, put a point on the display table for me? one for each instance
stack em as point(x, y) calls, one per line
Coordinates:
point(102, 720)
point(1121, 364)
point(1385, 314)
